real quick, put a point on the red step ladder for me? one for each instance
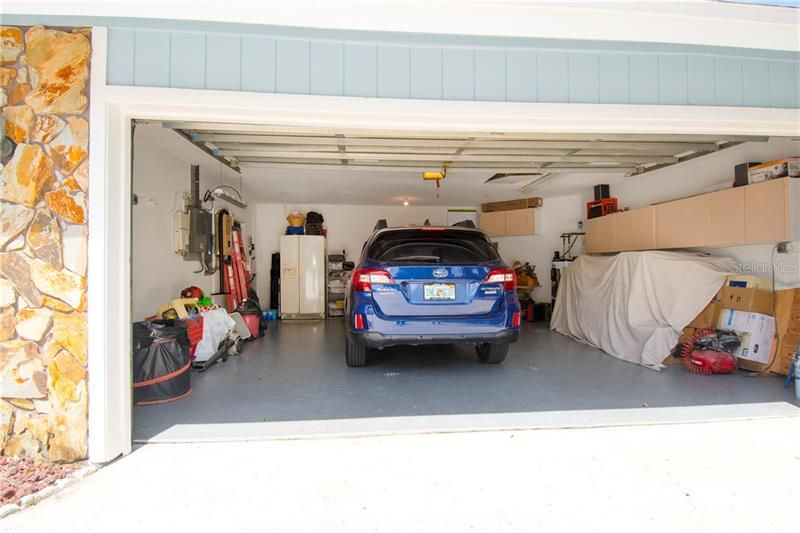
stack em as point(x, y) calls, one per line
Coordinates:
point(237, 276)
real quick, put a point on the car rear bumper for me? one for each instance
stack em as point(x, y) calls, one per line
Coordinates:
point(374, 339)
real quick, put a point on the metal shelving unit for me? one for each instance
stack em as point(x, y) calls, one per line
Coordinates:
point(336, 286)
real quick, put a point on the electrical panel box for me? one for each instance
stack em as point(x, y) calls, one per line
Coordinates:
point(199, 231)
point(180, 223)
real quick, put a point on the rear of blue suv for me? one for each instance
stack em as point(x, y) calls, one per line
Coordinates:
point(431, 285)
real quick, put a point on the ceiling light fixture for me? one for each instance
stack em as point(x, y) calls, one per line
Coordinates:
point(220, 193)
point(405, 202)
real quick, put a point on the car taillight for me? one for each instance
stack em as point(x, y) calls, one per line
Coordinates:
point(359, 321)
point(506, 276)
point(365, 278)
point(515, 319)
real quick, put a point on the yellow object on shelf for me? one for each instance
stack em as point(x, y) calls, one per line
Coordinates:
point(296, 219)
point(178, 305)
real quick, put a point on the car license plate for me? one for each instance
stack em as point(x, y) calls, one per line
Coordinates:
point(440, 291)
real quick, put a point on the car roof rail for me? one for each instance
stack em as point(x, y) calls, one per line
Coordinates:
point(465, 224)
point(380, 224)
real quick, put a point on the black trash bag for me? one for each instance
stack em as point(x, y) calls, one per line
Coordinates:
point(312, 217)
point(161, 362)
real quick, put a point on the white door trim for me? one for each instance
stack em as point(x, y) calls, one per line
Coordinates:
point(694, 23)
point(113, 108)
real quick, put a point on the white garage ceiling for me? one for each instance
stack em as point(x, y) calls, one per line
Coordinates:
point(290, 165)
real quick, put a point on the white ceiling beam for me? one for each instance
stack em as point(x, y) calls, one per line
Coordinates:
point(213, 127)
point(332, 148)
point(416, 167)
point(377, 141)
point(353, 156)
point(436, 148)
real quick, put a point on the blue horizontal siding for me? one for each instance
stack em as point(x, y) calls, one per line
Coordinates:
point(573, 72)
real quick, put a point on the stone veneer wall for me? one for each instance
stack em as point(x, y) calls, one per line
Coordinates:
point(44, 76)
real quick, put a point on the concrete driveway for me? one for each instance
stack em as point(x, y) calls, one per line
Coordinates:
point(720, 476)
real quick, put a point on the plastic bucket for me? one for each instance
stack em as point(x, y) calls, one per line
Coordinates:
point(253, 322)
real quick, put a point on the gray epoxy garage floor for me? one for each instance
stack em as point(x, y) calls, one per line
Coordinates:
point(297, 372)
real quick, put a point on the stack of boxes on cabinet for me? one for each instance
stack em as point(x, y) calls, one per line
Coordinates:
point(766, 321)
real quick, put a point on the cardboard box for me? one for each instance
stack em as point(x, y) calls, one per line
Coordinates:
point(512, 205)
point(687, 332)
point(787, 346)
point(747, 299)
point(708, 317)
point(787, 317)
point(771, 170)
point(740, 176)
point(756, 331)
point(749, 282)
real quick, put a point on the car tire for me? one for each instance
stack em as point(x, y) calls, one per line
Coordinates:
point(492, 353)
point(355, 354)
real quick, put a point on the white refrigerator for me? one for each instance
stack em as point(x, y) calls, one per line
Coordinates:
point(302, 276)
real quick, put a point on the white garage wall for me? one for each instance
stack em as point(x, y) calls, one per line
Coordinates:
point(158, 273)
point(708, 173)
point(349, 226)
point(556, 216)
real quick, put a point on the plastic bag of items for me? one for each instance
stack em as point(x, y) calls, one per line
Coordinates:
point(161, 362)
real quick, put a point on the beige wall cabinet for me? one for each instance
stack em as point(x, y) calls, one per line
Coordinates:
point(643, 229)
point(520, 222)
point(508, 223)
point(696, 221)
point(766, 211)
point(599, 234)
point(623, 231)
point(669, 224)
point(494, 224)
point(727, 216)
point(753, 214)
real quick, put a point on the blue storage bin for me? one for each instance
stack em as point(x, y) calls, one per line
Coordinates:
point(295, 230)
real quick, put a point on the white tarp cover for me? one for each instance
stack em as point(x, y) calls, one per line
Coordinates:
point(634, 305)
point(217, 323)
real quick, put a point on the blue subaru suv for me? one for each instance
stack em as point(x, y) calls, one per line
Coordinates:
point(431, 285)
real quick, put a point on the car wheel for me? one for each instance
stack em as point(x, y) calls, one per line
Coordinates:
point(492, 353)
point(355, 354)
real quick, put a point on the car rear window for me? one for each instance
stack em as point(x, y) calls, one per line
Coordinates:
point(432, 246)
